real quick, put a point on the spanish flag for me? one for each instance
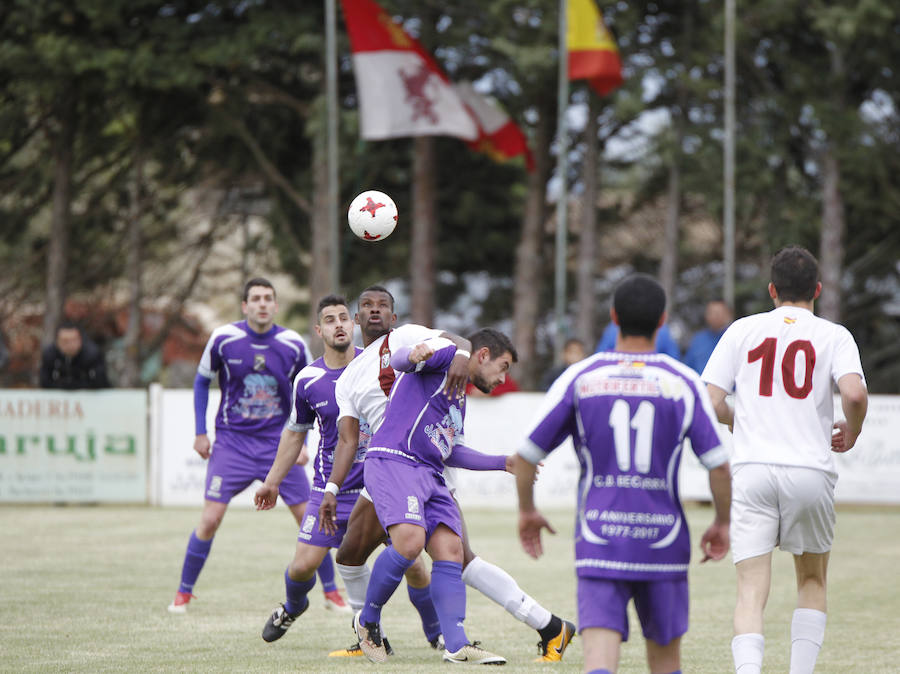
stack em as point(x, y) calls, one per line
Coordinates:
point(593, 54)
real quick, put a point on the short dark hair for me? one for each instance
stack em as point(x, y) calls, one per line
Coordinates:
point(67, 324)
point(330, 301)
point(795, 274)
point(258, 281)
point(496, 342)
point(640, 302)
point(377, 289)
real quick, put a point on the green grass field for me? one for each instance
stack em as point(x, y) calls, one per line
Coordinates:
point(85, 589)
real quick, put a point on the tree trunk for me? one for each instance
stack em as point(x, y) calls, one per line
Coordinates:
point(831, 258)
point(320, 268)
point(424, 226)
point(586, 314)
point(58, 247)
point(131, 375)
point(527, 286)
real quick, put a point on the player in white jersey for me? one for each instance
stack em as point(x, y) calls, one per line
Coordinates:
point(780, 365)
point(361, 393)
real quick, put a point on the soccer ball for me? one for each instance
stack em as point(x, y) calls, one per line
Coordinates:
point(372, 215)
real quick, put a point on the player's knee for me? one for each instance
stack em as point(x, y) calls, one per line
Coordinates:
point(418, 575)
point(209, 524)
point(301, 569)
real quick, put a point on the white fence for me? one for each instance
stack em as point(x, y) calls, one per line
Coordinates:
point(130, 447)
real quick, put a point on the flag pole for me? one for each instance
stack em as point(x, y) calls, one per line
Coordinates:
point(332, 131)
point(562, 200)
point(728, 197)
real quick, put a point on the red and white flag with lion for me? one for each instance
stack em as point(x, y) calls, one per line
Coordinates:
point(402, 91)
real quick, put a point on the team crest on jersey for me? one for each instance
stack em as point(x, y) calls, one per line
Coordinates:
point(260, 399)
point(259, 362)
point(308, 524)
point(386, 359)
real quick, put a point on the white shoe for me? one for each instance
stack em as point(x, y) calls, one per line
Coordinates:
point(335, 602)
point(473, 654)
point(179, 604)
point(370, 640)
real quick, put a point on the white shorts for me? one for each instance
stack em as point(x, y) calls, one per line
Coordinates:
point(788, 506)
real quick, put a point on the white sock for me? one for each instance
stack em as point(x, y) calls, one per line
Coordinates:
point(747, 650)
point(807, 635)
point(497, 585)
point(356, 580)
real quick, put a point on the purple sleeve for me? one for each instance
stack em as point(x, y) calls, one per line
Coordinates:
point(201, 399)
point(472, 459)
point(439, 361)
point(400, 360)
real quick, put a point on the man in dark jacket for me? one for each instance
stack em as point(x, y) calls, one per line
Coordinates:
point(72, 361)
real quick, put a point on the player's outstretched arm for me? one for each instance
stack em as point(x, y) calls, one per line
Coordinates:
point(855, 403)
point(289, 447)
point(471, 459)
point(715, 540)
point(344, 454)
point(530, 519)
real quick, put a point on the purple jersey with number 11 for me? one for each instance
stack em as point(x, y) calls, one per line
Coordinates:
point(628, 415)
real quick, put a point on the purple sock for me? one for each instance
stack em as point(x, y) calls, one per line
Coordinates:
point(421, 599)
point(194, 559)
point(326, 574)
point(296, 591)
point(448, 592)
point(387, 572)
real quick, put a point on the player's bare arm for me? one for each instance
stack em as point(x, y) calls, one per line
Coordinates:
point(724, 411)
point(458, 373)
point(716, 539)
point(290, 447)
point(344, 454)
point(530, 519)
point(855, 403)
point(202, 445)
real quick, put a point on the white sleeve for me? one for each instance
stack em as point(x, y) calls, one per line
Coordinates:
point(721, 368)
point(410, 335)
point(846, 356)
point(342, 389)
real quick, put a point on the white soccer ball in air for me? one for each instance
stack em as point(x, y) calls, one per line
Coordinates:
point(372, 215)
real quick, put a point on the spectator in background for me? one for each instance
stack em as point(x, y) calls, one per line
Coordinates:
point(665, 343)
point(573, 351)
point(72, 361)
point(718, 316)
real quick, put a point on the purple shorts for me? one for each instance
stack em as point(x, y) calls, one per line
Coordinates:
point(662, 606)
point(410, 493)
point(233, 465)
point(309, 531)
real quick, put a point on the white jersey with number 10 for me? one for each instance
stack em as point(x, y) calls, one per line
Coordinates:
point(780, 365)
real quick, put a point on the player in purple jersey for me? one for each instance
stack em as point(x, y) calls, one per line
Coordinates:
point(404, 474)
point(256, 361)
point(628, 413)
point(314, 400)
point(364, 387)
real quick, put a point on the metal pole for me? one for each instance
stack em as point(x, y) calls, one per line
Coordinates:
point(728, 201)
point(562, 201)
point(332, 132)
